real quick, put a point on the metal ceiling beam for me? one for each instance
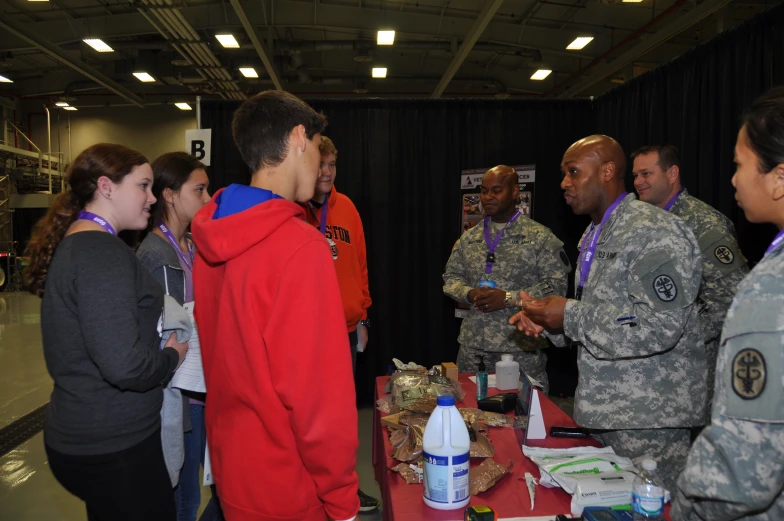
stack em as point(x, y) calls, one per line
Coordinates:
point(484, 18)
point(22, 32)
point(263, 55)
point(673, 28)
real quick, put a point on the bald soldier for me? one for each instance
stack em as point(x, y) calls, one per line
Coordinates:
point(657, 179)
point(641, 359)
point(489, 266)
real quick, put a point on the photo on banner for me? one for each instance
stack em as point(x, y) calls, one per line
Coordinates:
point(471, 211)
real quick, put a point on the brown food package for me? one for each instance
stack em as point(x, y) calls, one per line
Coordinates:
point(494, 419)
point(470, 415)
point(481, 448)
point(486, 475)
point(411, 449)
point(424, 405)
point(406, 472)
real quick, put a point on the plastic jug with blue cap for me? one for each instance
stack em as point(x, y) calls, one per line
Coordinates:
point(446, 447)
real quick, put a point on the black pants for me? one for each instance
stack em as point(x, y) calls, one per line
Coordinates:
point(130, 485)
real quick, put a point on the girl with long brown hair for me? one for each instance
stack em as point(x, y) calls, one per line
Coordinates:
point(99, 319)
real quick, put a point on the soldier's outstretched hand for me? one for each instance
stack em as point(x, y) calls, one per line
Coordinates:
point(547, 312)
point(525, 324)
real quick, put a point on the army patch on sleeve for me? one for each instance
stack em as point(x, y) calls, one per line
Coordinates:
point(665, 288)
point(724, 254)
point(749, 373)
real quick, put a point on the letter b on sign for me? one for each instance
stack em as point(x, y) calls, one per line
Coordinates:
point(198, 143)
point(197, 149)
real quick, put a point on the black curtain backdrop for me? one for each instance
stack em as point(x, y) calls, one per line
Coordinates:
point(399, 161)
point(695, 102)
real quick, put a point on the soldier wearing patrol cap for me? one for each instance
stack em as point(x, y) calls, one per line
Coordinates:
point(735, 469)
point(490, 264)
point(658, 182)
point(641, 358)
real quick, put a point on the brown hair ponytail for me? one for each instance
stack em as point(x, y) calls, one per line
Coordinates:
point(104, 159)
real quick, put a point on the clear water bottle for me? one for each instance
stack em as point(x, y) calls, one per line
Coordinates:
point(648, 494)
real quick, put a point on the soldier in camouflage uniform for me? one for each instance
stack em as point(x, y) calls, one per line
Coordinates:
point(735, 469)
point(527, 257)
point(658, 182)
point(641, 358)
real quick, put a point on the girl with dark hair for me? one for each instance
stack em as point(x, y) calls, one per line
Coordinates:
point(180, 187)
point(735, 468)
point(99, 319)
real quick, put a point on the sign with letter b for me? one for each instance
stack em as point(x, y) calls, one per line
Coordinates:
point(198, 143)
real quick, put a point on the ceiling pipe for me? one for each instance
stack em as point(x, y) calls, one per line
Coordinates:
point(623, 42)
point(666, 32)
point(191, 47)
point(23, 32)
point(261, 51)
point(285, 47)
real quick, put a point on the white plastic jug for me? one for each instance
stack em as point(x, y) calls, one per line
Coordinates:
point(507, 374)
point(446, 447)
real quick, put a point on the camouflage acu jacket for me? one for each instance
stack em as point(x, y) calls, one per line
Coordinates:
point(642, 359)
point(735, 468)
point(528, 257)
point(724, 266)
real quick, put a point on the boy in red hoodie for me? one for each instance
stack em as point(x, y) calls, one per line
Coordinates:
point(281, 418)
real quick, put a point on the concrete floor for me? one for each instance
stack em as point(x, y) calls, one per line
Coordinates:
point(28, 491)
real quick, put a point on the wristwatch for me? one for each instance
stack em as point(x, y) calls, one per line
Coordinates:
point(509, 300)
point(365, 323)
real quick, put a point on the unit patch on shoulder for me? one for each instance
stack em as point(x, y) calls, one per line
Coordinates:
point(665, 288)
point(749, 373)
point(724, 255)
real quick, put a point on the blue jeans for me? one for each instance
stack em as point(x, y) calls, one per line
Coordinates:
point(187, 494)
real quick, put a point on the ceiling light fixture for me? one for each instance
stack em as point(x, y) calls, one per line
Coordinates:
point(579, 43)
point(228, 41)
point(144, 77)
point(249, 72)
point(98, 44)
point(631, 1)
point(61, 104)
point(379, 72)
point(541, 74)
point(70, 108)
point(183, 106)
point(386, 38)
point(3, 79)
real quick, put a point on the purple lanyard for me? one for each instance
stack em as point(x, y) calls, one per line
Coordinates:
point(671, 202)
point(323, 220)
point(776, 242)
point(491, 244)
point(84, 215)
point(169, 235)
point(587, 254)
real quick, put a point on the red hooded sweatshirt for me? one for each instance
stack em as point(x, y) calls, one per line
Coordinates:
point(281, 415)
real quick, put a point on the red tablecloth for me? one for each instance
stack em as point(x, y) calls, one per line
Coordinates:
point(509, 498)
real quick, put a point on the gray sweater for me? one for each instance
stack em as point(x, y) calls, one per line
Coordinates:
point(98, 317)
point(159, 257)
